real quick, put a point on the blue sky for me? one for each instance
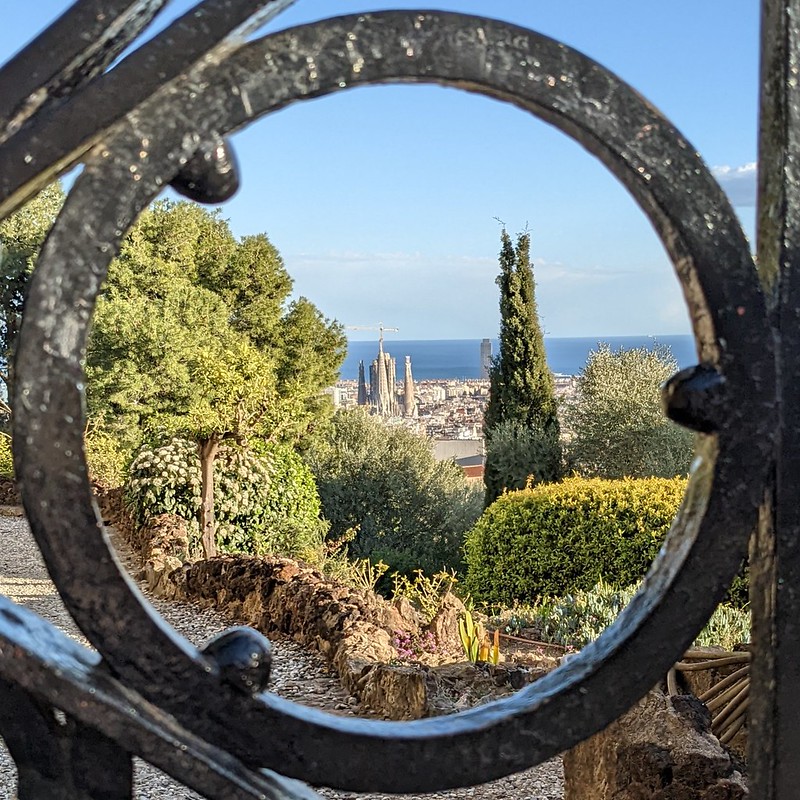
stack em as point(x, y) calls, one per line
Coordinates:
point(383, 201)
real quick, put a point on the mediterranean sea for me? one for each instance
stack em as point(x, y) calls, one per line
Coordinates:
point(455, 359)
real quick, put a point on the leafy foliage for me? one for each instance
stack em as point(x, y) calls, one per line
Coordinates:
point(559, 538)
point(475, 640)
point(616, 419)
point(384, 483)
point(105, 457)
point(265, 504)
point(363, 575)
point(471, 634)
point(6, 458)
point(521, 384)
point(576, 619)
point(21, 237)
point(424, 593)
point(195, 336)
point(728, 627)
point(164, 480)
point(291, 521)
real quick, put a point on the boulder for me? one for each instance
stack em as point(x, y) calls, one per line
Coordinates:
point(398, 692)
point(411, 618)
point(444, 626)
point(157, 572)
point(661, 749)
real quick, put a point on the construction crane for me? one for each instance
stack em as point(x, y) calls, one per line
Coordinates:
point(379, 327)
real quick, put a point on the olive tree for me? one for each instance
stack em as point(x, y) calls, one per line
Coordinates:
point(615, 424)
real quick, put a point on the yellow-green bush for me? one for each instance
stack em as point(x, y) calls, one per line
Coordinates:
point(558, 538)
point(6, 459)
point(106, 458)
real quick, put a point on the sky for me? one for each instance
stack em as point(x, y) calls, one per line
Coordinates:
point(384, 201)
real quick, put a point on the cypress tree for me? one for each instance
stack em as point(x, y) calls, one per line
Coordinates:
point(520, 423)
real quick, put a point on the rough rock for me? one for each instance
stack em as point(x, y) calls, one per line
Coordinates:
point(157, 574)
point(280, 595)
point(407, 612)
point(444, 626)
point(399, 690)
point(165, 535)
point(351, 629)
point(9, 495)
point(661, 749)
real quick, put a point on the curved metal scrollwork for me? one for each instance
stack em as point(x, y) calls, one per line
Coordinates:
point(171, 126)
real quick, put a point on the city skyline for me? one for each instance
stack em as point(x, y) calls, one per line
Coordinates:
point(384, 201)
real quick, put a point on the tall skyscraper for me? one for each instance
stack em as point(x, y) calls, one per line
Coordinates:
point(486, 357)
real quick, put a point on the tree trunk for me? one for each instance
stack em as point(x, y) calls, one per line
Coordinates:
point(208, 529)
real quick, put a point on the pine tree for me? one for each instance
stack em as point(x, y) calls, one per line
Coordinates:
point(521, 398)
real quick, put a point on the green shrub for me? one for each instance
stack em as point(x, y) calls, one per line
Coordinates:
point(6, 458)
point(263, 504)
point(425, 593)
point(382, 482)
point(615, 417)
point(728, 628)
point(291, 523)
point(555, 539)
point(106, 458)
point(361, 574)
point(518, 455)
point(577, 619)
point(165, 480)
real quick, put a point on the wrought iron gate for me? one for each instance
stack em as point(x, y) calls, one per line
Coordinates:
point(161, 116)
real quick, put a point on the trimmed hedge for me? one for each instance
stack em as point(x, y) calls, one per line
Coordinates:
point(558, 538)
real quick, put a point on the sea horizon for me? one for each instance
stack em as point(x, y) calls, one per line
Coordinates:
point(459, 359)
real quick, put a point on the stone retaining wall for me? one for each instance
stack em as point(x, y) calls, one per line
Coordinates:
point(352, 629)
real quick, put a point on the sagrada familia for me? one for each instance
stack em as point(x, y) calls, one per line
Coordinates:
point(382, 396)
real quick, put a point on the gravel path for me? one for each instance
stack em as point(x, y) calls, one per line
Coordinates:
point(296, 674)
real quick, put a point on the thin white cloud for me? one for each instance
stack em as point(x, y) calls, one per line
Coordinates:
point(480, 266)
point(454, 296)
point(398, 258)
point(738, 182)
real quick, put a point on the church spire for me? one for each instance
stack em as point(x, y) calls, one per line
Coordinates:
point(409, 400)
point(362, 385)
point(384, 401)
